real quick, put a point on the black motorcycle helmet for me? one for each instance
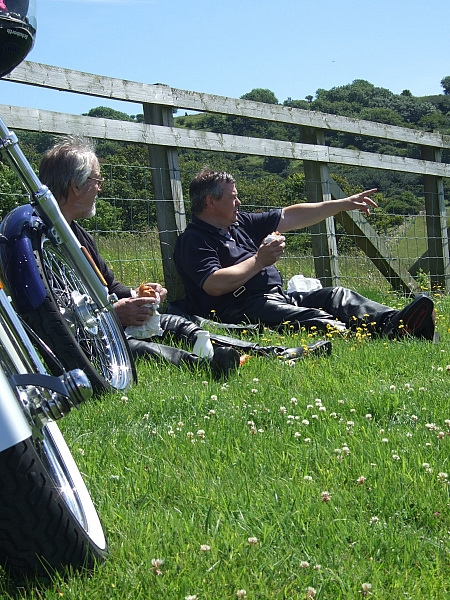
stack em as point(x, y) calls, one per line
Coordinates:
point(17, 32)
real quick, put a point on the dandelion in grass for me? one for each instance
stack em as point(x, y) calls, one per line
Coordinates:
point(325, 496)
point(253, 541)
point(205, 548)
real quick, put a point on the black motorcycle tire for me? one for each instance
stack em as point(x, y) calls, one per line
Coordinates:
point(104, 356)
point(47, 518)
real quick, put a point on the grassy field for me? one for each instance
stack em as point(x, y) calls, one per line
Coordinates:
point(324, 479)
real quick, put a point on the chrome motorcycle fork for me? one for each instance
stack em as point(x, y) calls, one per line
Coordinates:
point(46, 206)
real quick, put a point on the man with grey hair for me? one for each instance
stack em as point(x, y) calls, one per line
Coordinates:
point(226, 261)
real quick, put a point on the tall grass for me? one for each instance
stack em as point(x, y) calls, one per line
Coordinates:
point(328, 478)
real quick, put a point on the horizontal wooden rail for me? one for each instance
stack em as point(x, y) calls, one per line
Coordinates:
point(48, 76)
point(60, 123)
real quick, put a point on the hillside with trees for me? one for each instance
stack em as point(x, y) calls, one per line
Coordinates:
point(263, 181)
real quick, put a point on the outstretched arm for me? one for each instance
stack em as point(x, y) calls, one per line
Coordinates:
point(298, 216)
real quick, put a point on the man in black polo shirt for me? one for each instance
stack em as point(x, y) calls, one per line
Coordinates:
point(227, 267)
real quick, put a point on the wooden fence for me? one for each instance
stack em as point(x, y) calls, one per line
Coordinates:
point(164, 140)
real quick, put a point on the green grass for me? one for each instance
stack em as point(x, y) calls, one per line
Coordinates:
point(275, 438)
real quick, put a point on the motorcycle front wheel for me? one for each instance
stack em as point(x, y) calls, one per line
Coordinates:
point(47, 518)
point(80, 335)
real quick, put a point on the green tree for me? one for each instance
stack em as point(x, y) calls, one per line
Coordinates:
point(261, 95)
point(445, 82)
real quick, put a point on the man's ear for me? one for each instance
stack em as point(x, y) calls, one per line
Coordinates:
point(74, 188)
point(209, 201)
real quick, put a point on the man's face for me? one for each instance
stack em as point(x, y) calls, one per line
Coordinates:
point(226, 209)
point(85, 203)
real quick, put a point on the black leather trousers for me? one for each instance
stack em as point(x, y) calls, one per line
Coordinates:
point(179, 329)
point(330, 306)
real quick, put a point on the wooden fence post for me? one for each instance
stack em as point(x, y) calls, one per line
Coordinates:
point(436, 219)
point(324, 245)
point(170, 213)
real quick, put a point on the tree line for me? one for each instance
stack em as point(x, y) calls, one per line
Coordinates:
point(262, 181)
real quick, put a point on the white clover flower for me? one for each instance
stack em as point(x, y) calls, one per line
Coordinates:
point(361, 479)
point(252, 541)
point(254, 391)
point(205, 548)
point(305, 422)
point(304, 564)
point(322, 409)
point(255, 379)
point(374, 519)
point(384, 440)
point(307, 440)
point(392, 388)
point(310, 592)
point(442, 476)
point(297, 434)
point(307, 478)
point(241, 594)
point(294, 401)
point(369, 417)
point(318, 402)
point(395, 457)
point(214, 397)
point(283, 410)
point(414, 418)
point(325, 496)
point(201, 433)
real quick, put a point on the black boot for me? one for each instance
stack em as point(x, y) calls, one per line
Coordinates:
point(224, 362)
point(416, 319)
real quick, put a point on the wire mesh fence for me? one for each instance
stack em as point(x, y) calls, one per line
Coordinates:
point(126, 231)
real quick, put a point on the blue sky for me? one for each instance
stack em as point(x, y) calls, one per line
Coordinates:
point(291, 47)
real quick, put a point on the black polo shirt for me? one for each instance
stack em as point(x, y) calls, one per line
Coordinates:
point(202, 249)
